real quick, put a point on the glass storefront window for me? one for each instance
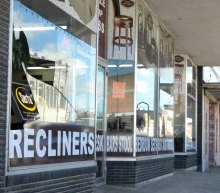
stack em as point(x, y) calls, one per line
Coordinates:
point(60, 59)
point(53, 89)
point(179, 105)
point(146, 98)
point(147, 74)
point(120, 108)
point(121, 79)
point(154, 87)
point(191, 107)
point(185, 105)
point(179, 123)
point(166, 88)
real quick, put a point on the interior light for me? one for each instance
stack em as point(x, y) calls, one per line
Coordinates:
point(140, 65)
point(64, 27)
point(126, 65)
point(57, 67)
point(112, 66)
point(36, 68)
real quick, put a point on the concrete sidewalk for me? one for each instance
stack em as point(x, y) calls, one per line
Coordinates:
point(180, 182)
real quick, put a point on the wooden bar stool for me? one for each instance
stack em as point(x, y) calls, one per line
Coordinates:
point(121, 21)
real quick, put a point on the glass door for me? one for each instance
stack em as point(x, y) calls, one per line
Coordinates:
point(101, 126)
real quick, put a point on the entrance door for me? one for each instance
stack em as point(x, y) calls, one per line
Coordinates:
point(101, 126)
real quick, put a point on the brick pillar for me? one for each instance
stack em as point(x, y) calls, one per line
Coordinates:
point(199, 117)
point(213, 135)
point(206, 132)
point(4, 42)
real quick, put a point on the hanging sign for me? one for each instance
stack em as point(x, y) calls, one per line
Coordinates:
point(127, 3)
point(178, 58)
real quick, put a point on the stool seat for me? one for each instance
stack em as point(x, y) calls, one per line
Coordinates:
point(123, 18)
point(123, 21)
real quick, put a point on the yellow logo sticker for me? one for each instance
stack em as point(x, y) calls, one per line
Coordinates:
point(25, 99)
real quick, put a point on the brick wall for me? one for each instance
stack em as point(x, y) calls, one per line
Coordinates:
point(213, 135)
point(133, 173)
point(68, 181)
point(185, 161)
point(4, 39)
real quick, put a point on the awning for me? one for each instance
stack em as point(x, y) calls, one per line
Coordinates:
point(212, 91)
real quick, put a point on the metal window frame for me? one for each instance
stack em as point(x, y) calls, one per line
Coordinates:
point(193, 64)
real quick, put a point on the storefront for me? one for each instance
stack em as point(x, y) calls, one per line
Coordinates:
point(140, 95)
point(51, 132)
point(90, 96)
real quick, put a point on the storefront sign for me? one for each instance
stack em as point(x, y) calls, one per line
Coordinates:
point(23, 101)
point(101, 25)
point(121, 144)
point(127, 3)
point(46, 143)
point(151, 145)
point(118, 144)
point(179, 58)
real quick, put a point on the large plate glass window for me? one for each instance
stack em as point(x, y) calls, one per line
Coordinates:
point(53, 85)
point(154, 86)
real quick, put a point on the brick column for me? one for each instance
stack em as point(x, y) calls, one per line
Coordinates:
point(213, 134)
point(206, 132)
point(4, 42)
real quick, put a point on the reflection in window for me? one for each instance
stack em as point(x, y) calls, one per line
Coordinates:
point(166, 109)
point(60, 67)
point(190, 125)
point(146, 98)
point(185, 111)
point(48, 95)
point(191, 79)
point(62, 99)
point(179, 123)
point(40, 90)
point(191, 107)
point(120, 108)
point(100, 98)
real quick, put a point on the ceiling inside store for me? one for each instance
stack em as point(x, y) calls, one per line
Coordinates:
point(195, 26)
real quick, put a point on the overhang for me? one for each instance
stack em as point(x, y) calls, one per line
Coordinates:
point(195, 26)
point(212, 91)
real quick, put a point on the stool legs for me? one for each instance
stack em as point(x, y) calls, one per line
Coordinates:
point(119, 37)
point(131, 37)
point(126, 43)
point(119, 40)
point(113, 42)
